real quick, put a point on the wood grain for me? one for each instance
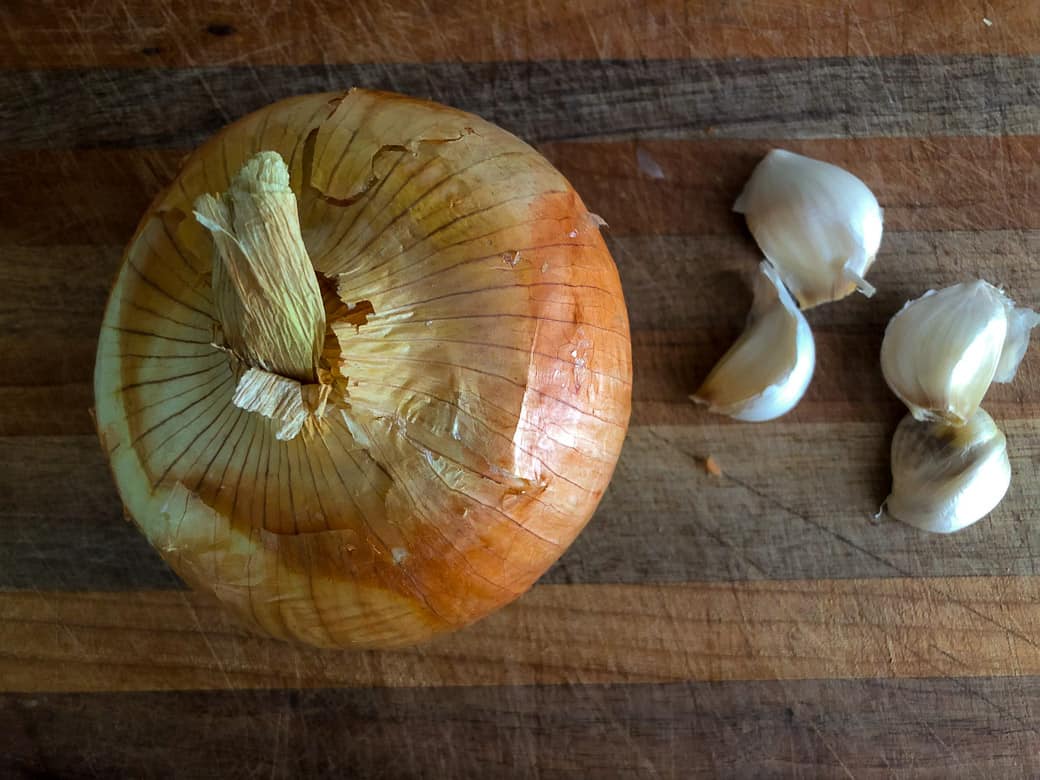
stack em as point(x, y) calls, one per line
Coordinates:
point(819, 728)
point(83, 34)
point(903, 96)
point(100, 194)
point(755, 624)
point(795, 630)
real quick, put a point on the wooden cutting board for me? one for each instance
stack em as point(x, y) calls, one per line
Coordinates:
point(757, 623)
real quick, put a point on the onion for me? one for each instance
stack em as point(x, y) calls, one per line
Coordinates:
point(461, 395)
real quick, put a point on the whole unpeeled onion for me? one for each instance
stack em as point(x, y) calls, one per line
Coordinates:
point(478, 349)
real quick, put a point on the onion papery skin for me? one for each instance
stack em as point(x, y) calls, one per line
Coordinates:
point(489, 386)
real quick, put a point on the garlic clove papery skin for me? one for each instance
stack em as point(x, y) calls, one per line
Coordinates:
point(942, 351)
point(1021, 322)
point(766, 372)
point(818, 224)
point(946, 477)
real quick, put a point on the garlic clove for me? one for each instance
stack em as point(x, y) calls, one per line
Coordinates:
point(817, 223)
point(946, 477)
point(942, 351)
point(766, 372)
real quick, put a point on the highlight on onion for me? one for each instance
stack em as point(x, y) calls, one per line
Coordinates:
point(365, 371)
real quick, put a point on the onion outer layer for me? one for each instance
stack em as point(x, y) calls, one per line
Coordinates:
point(485, 352)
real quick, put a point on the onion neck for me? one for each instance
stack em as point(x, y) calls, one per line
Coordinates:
point(268, 302)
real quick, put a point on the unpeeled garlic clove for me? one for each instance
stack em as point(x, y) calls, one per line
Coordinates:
point(946, 477)
point(942, 351)
point(817, 223)
point(766, 372)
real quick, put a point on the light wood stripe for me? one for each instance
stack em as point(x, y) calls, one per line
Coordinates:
point(963, 627)
point(939, 184)
point(587, 99)
point(140, 34)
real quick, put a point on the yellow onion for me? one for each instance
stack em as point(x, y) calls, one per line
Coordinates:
point(415, 449)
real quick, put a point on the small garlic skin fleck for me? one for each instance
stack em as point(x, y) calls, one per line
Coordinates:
point(942, 351)
point(766, 372)
point(816, 222)
point(946, 477)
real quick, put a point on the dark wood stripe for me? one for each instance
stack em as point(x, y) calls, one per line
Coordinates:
point(958, 727)
point(550, 100)
point(57, 478)
point(663, 518)
point(147, 35)
point(963, 183)
point(59, 290)
point(62, 524)
point(76, 553)
point(57, 408)
point(100, 195)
